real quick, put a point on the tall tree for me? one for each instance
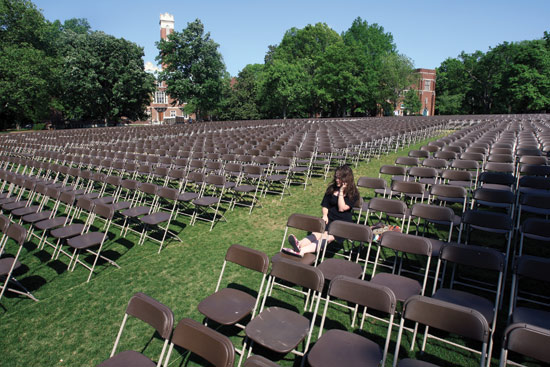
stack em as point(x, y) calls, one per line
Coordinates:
point(104, 78)
point(242, 99)
point(396, 75)
point(192, 68)
point(412, 102)
point(369, 46)
point(451, 88)
point(304, 49)
point(28, 64)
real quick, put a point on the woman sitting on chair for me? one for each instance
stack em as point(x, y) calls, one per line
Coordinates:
point(337, 204)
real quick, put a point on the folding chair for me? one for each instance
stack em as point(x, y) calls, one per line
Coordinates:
point(278, 181)
point(342, 348)
point(151, 312)
point(435, 215)
point(400, 243)
point(413, 191)
point(198, 339)
point(530, 304)
point(448, 194)
point(163, 212)
point(18, 234)
point(216, 185)
point(352, 232)
point(147, 197)
point(527, 340)
point(229, 306)
point(305, 223)
point(473, 257)
point(88, 240)
point(445, 316)
point(246, 192)
point(279, 329)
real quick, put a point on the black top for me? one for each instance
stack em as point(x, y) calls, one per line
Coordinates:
point(330, 201)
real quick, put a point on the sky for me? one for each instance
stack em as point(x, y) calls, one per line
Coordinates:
point(427, 31)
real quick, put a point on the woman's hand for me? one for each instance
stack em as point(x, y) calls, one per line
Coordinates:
point(325, 218)
point(343, 188)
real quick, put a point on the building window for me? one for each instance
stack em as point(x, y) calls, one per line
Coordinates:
point(160, 97)
point(159, 84)
point(427, 84)
point(173, 113)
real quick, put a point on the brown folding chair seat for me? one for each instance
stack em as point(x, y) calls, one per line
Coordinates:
point(151, 312)
point(279, 329)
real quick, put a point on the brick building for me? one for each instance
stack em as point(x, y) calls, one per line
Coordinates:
point(162, 108)
point(426, 92)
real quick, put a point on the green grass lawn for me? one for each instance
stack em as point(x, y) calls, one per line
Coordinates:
point(75, 323)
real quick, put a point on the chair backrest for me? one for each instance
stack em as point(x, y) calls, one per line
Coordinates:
point(152, 312)
point(351, 231)
point(474, 256)
point(408, 187)
point(299, 274)
point(104, 211)
point(456, 175)
point(393, 170)
point(423, 172)
point(364, 293)
point(533, 267)
point(4, 223)
point(371, 182)
point(487, 219)
point(528, 340)
point(465, 164)
point(306, 222)
point(203, 341)
point(168, 193)
point(433, 212)
point(17, 233)
point(247, 257)
point(493, 196)
point(447, 316)
point(406, 243)
point(387, 206)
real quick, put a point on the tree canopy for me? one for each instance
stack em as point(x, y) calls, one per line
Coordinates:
point(66, 68)
point(193, 68)
point(314, 71)
point(104, 78)
point(509, 78)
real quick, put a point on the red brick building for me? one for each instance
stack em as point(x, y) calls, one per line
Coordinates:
point(162, 108)
point(426, 92)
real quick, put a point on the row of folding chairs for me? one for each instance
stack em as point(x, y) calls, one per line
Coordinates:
point(282, 330)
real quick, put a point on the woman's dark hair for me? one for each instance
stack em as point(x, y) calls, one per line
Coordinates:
point(345, 174)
